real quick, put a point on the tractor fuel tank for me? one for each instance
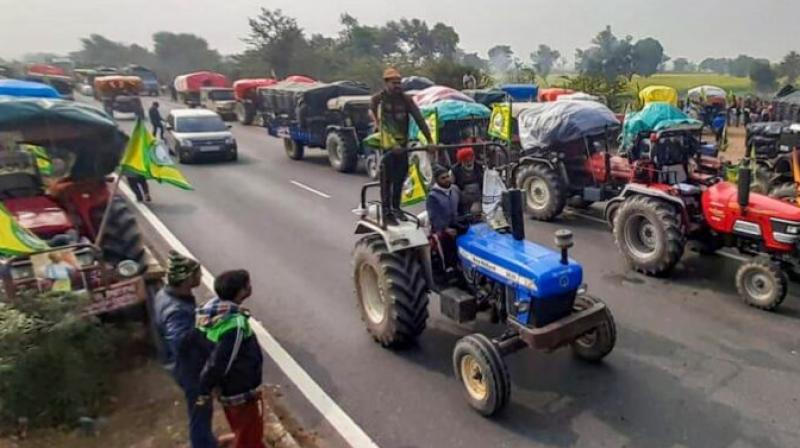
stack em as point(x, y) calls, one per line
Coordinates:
point(534, 272)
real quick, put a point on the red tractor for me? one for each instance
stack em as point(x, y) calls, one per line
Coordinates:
point(668, 204)
point(53, 167)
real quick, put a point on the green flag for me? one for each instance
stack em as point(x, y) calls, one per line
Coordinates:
point(148, 157)
point(43, 160)
point(16, 240)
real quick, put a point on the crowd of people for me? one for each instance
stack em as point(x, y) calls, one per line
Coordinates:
point(743, 111)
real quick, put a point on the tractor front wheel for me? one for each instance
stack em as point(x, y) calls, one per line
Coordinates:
point(648, 233)
point(245, 113)
point(342, 151)
point(597, 343)
point(545, 195)
point(293, 149)
point(479, 366)
point(762, 283)
point(391, 292)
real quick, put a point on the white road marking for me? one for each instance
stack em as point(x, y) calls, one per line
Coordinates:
point(307, 188)
point(343, 423)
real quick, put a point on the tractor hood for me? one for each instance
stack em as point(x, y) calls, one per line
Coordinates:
point(520, 264)
point(40, 215)
point(723, 196)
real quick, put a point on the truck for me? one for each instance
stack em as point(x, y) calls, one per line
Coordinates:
point(248, 107)
point(149, 79)
point(187, 87)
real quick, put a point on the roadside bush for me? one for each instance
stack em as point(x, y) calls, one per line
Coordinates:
point(55, 364)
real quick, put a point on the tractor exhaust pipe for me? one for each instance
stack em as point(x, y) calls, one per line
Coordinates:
point(512, 204)
point(564, 242)
point(743, 184)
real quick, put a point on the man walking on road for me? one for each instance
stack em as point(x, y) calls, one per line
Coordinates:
point(185, 349)
point(156, 120)
point(234, 365)
point(390, 110)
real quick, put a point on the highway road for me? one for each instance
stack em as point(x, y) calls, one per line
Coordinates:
point(693, 367)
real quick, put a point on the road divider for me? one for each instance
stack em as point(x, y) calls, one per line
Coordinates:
point(335, 415)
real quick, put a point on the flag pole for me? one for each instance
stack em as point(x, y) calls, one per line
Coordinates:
point(104, 222)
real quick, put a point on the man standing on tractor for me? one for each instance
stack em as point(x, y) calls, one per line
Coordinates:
point(442, 205)
point(185, 349)
point(234, 366)
point(390, 110)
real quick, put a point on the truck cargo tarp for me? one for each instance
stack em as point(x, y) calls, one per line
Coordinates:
point(434, 94)
point(653, 117)
point(552, 94)
point(192, 82)
point(78, 128)
point(416, 83)
point(545, 124)
point(487, 97)
point(241, 87)
point(284, 97)
point(787, 107)
point(658, 94)
point(578, 96)
point(701, 92)
point(521, 92)
point(450, 110)
point(14, 87)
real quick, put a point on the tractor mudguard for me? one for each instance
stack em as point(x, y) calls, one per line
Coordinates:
point(405, 236)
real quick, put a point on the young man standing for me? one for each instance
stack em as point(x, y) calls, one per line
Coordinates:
point(234, 366)
point(390, 110)
point(185, 350)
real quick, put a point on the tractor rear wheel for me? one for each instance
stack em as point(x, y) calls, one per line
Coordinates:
point(342, 151)
point(762, 283)
point(785, 192)
point(545, 195)
point(122, 239)
point(479, 366)
point(293, 149)
point(648, 233)
point(596, 344)
point(391, 292)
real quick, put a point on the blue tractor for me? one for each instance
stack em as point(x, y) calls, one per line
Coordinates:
point(536, 293)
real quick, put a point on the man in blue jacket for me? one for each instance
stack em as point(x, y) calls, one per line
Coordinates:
point(443, 205)
point(185, 348)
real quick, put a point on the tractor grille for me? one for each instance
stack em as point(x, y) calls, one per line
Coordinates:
point(548, 310)
point(209, 142)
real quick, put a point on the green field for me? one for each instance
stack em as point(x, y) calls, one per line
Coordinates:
point(685, 81)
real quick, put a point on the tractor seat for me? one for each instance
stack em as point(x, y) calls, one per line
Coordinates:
point(673, 174)
point(688, 189)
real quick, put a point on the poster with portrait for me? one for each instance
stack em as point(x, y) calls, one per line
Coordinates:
point(58, 271)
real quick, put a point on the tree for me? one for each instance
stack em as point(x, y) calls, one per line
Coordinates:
point(501, 58)
point(647, 56)
point(544, 58)
point(742, 65)
point(278, 40)
point(183, 53)
point(445, 40)
point(681, 65)
point(608, 56)
point(763, 76)
point(790, 67)
point(721, 66)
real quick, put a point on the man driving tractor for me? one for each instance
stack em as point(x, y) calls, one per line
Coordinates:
point(390, 110)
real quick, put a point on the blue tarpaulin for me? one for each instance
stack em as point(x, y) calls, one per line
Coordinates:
point(15, 87)
point(654, 117)
point(521, 92)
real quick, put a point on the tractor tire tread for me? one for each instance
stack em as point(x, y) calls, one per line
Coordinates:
point(663, 213)
point(558, 196)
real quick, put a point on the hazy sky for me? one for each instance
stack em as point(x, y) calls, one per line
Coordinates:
point(689, 28)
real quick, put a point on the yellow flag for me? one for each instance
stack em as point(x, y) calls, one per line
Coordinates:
point(432, 119)
point(414, 189)
point(16, 240)
point(500, 122)
point(43, 160)
point(145, 156)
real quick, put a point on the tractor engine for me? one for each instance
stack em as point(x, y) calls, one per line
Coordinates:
point(527, 282)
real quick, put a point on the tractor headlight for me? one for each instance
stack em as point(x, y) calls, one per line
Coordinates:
point(128, 268)
point(793, 230)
